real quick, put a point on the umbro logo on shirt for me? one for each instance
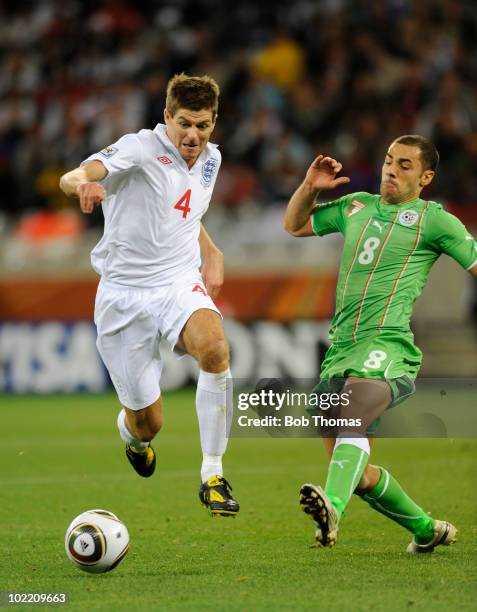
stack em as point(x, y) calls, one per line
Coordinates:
point(164, 160)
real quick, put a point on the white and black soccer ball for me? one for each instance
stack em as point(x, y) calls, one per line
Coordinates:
point(96, 541)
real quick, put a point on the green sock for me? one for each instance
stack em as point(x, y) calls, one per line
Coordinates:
point(389, 499)
point(344, 472)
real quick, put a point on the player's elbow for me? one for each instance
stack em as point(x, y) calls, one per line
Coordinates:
point(292, 230)
point(288, 227)
point(64, 183)
point(70, 181)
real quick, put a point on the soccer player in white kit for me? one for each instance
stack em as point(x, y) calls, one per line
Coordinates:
point(154, 186)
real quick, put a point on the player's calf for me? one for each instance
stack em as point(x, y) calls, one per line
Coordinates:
point(139, 452)
point(144, 424)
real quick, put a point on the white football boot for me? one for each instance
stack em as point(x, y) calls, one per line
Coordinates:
point(444, 534)
point(315, 503)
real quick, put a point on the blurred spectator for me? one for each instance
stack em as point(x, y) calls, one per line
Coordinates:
point(342, 78)
point(281, 61)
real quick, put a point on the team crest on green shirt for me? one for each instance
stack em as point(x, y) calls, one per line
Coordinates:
point(408, 217)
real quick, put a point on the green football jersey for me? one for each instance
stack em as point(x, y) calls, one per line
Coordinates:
point(388, 252)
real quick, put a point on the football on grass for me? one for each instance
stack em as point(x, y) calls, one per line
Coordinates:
point(96, 541)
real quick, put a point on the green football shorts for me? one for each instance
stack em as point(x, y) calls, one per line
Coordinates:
point(390, 357)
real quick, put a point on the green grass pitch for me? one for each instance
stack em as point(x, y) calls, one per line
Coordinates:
point(61, 455)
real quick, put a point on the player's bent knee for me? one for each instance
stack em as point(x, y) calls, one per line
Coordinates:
point(214, 355)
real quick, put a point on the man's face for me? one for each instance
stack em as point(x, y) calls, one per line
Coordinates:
point(189, 131)
point(402, 175)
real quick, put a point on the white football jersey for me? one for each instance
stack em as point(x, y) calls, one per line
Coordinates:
point(152, 209)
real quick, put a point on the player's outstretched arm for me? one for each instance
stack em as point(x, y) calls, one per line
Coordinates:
point(212, 264)
point(81, 183)
point(321, 175)
point(473, 270)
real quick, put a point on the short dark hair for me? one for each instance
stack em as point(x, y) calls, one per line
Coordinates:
point(429, 153)
point(193, 93)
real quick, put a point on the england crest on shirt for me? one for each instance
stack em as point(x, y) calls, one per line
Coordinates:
point(408, 217)
point(208, 171)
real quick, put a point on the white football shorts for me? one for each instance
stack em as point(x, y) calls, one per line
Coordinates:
point(131, 322)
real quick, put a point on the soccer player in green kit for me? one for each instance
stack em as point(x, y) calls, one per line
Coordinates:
point(391, 241)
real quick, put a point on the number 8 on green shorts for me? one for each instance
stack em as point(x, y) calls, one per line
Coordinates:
point(390, 357)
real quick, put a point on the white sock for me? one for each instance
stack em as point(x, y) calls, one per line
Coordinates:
point(214, 422)
point(211, 466)
point(359, 441)
point(125, 434)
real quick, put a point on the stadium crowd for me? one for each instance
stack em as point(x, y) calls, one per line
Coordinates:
point(337, 76)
